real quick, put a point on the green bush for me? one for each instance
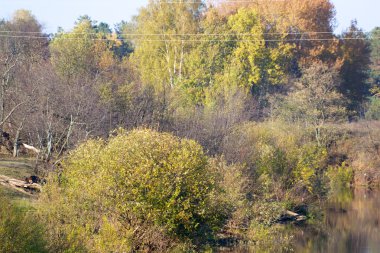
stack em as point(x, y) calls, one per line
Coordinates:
point(373, 111)
point(19, 231)
point(340, 176)
point(281, 157)
point(285, 169)
point(141, 190)
point(263, 238)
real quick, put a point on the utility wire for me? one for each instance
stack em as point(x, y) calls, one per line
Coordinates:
point(193, 40)
point(219, 2)
point(184, 34)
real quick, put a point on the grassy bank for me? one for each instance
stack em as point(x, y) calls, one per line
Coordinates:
point(17, 168)
point(142, 189)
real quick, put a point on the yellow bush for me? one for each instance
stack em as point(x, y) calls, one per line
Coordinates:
point(139, 190)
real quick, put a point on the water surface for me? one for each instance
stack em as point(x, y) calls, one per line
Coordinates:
point(351, 223)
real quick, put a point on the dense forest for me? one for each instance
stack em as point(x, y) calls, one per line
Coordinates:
point(192, 127)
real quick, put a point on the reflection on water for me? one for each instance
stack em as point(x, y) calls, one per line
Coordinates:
point(351, 224)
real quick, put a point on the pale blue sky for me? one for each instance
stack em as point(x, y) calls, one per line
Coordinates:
point(54, 13)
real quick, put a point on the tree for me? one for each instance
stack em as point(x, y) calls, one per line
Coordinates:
point(161, 58)
point(65, 117)
point(354, 56)
point(126, 47)
point(85, 53)
point(17, 57)
point(314, 20)
point(375, 60)
point(85, 61)
point(307, 24)
point(205, 61)
point(73, 54)
point(315, 99)
point(236, 54)
point(256, 61)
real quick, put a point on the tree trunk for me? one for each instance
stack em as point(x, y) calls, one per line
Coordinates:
point(49, 144)
point(16, 142)
point(318, 135)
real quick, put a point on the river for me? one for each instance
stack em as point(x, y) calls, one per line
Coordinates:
point(350, 222)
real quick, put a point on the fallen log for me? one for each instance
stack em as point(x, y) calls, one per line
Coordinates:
point(290, 216)
point(19, 185)
point(35, 150)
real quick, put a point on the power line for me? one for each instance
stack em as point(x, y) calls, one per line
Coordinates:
point(186, 34)
point(218, 2)
point(193, 40)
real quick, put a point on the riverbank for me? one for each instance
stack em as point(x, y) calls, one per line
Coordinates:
point(271, 183)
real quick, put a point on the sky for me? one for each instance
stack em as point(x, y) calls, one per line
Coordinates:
point(63, 13)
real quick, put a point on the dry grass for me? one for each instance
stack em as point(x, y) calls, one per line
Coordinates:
point(362, 149)
point(18, 169)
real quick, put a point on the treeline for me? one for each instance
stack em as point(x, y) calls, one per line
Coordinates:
point(266, 90)
point(190, 69)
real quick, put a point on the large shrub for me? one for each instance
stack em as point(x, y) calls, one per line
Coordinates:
point(281, 158)
point(19, 231)
point(286, 170)
point(141, 190)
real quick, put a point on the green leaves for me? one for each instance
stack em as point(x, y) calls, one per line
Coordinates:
point(160, 177)
point(161, 58)
point(257, 62)
point(73, 53)
point(85, 51)
point(137, 181)
point(281, 158)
